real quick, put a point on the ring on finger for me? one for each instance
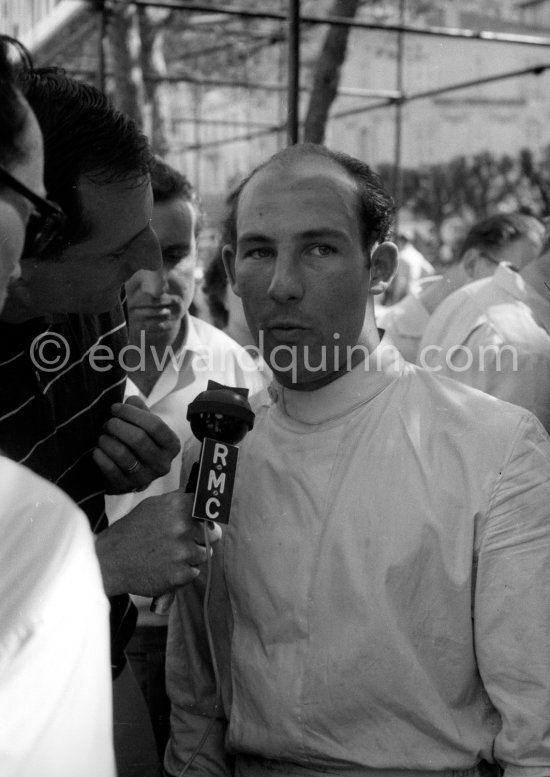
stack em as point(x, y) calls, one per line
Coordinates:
point(133, 467)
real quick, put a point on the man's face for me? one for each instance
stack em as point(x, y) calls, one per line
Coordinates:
point(518, 253)
point(89, 275)
point(523, 250)
point(300, 268)
point(15, 209)
point(158, 300)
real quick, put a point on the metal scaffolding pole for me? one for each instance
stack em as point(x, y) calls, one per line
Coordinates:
point(293, 95)
point(397, 177)
point(235, 139)
point(294, 19)
point(446, 32)
point(344, 91)
point(197, 111)
point(536, 70)
point(102, 35)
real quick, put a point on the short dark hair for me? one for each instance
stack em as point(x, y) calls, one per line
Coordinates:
point(375, 206)
point(13, 113)
point(498, 230)
point(84, 135)
point(169, 184)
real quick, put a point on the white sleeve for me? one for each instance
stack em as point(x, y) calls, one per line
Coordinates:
point(512, 604)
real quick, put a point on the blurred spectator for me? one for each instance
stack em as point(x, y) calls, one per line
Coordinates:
point(452, 232)
point(504, 237)
point(174, 355)
point(55, 684)
point(412, 267)
point(494, 335)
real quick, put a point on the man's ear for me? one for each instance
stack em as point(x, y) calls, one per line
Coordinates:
point(228, 257)
point(469, 261)
point(383, 266)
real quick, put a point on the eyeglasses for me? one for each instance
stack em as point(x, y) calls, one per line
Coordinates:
point(493, 260)
point(45, 222)
point(22, 52)
point(489, 258)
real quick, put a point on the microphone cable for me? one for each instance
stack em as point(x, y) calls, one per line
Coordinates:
point(210, 640)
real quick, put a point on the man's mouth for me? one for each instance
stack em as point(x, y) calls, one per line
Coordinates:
point(158, 311)
point(285, 330)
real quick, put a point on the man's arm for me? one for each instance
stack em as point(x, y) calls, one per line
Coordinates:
point(513, 375)
point(512, 603)
point(506, 371)
point(155, 548)
point(191, 681)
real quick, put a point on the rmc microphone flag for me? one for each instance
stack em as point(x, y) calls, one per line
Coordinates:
point(217, 467)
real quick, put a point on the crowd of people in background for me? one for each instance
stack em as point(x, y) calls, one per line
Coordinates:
point(378, 602)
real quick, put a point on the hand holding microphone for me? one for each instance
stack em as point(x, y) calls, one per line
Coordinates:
point(219, 417)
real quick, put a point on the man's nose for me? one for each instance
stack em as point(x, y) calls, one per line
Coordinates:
point(154, 282)
point(286, 283)
point(145, 252)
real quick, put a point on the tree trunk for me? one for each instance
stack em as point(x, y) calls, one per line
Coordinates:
point(327, 72)
point(153, 64)
point(124, 44)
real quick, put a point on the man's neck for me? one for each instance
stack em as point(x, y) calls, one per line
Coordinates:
point(537, 275)
point(16, 309)
point(356, 358)
point(434, 294)
point(151, 360)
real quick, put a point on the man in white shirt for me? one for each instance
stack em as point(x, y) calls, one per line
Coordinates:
point(380, 602)
point(55, 668)
point(503, 237)
point(494, 335)
point(172, 357)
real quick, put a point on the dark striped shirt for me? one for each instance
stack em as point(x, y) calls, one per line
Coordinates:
point(52, 414)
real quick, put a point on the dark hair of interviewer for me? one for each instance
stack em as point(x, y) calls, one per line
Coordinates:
point(84, 136)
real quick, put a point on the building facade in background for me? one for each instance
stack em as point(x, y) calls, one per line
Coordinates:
point(217, 133)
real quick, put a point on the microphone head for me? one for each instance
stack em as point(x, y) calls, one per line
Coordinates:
point(222, 413)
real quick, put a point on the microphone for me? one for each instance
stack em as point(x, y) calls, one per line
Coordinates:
point(219, 417)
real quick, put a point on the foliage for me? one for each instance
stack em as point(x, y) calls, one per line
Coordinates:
point(473, 187)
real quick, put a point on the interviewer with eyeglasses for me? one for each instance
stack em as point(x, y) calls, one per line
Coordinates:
point(62, 409)
point(55, 678)
point(29, 222)
point(45, 221)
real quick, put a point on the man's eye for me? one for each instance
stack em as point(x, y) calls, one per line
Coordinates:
point(259, 253)
point(322, 250)
point(175, 258)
